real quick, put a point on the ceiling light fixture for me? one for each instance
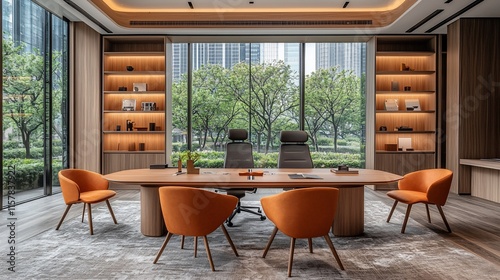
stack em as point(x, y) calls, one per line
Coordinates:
point(251, 2)
point(468, 7)
point(345, 4)
point(426, 19)
point(448, 1)
point(191, 5)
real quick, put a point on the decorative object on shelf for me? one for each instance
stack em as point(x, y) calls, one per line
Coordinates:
point(118, 127)
point(141, 128)
point(122, 88)
point(394, 86)
point(191, 158)
point(130, 125)
point(130, 68)
point(157, 128)
point(404, 67)
point(142, 146)
point(404, 144)
point(152, 126)
point(179, 165)
point(128, 105)
point(140, 86)
point(131, 147)
point(383, 128)
point(391, 105)
point(148, 106)
point(407, 88)
point(412, 105)
point(391, 147)
point(404, 128)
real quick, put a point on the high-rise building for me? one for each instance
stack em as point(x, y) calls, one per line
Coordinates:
point(346, 56)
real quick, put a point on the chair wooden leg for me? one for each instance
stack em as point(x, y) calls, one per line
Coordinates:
point(309, 240)
point(208, 253)
point(64, 216)
point(444, 218)
point(229, 239)
point(428, 214)
point(163, 247)
point(111, 211)
point(406, 217)
point(83, 212)
point(392, 210)
point(334, 252)
point(195, 246)
point(90, 220)
point(182, 241)
point(290, 259)
point(270, 242)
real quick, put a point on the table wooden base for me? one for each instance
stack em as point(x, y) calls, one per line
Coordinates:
point(349, 219)
point(152, 223)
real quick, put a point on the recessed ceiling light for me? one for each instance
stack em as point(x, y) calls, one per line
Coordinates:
point(345, 4)
point(448, 1)
point(191, 5)
point(251, 2)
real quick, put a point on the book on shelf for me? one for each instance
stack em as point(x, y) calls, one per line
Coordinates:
point(391, 105)
point(412, 105)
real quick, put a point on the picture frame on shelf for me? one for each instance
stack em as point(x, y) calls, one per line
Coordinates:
point(404, 144)
point(391, 105)
point(139, 86)
point(128, 104)
point(148, 106)
point(412, 105)
point(394, 86)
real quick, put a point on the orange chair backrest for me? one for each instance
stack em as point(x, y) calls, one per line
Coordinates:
point(75, 181)
point(435, 182)
point(302, 213)
point(194, 212)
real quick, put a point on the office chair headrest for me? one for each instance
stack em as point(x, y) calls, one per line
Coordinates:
point(237, 134)
point(293, 136)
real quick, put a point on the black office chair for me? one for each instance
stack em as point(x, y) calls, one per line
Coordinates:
point(239, 155)
point(294, 152)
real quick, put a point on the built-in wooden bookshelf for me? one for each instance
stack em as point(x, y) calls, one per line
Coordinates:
point(134, 70)
point(405, 70)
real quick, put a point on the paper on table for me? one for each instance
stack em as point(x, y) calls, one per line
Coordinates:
point(303, 176)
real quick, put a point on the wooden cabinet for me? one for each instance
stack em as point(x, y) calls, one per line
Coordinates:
point(133, 102)
point(405, 68)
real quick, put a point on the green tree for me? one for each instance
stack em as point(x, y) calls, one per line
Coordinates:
point(272, 96)
point(213, 109)
point(23, 91)
point(334, 95)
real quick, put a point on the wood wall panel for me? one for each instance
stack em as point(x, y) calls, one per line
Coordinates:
point(485, 183)
point(85, 135)
point(473, 118)
point(122, 161)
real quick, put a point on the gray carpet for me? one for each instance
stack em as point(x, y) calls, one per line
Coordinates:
point(122, 252)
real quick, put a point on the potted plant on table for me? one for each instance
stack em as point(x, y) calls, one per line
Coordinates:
point(190, 158)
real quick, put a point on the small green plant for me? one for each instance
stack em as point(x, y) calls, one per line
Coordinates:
point(189, 155)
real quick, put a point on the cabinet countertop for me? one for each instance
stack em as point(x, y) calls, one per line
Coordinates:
point(490, 163)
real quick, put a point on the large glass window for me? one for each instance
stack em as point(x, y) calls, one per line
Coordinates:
point(34, 104)
point(259, 87)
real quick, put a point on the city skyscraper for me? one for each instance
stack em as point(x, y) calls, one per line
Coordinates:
point(347, 56)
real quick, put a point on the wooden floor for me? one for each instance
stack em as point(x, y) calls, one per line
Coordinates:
point(475, 222)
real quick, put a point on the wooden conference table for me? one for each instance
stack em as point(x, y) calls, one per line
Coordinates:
point(349, 220)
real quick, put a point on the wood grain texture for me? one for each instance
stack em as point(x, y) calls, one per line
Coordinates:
point(85, 108)
point(349, 219)
point(473, 73)
point(485, 183)
point(123, 161)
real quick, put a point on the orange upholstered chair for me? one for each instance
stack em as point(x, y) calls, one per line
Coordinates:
point(87, 187)
point(195, 212)
point(429, 186)
point(302, 213)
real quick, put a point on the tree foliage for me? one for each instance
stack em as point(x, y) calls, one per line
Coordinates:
point(23, 91)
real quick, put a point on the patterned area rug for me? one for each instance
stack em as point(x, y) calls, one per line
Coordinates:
point(122, 252)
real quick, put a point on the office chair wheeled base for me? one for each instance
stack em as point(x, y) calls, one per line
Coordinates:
point(240, 208)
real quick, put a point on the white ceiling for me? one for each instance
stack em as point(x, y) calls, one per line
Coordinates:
point(421, 9)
